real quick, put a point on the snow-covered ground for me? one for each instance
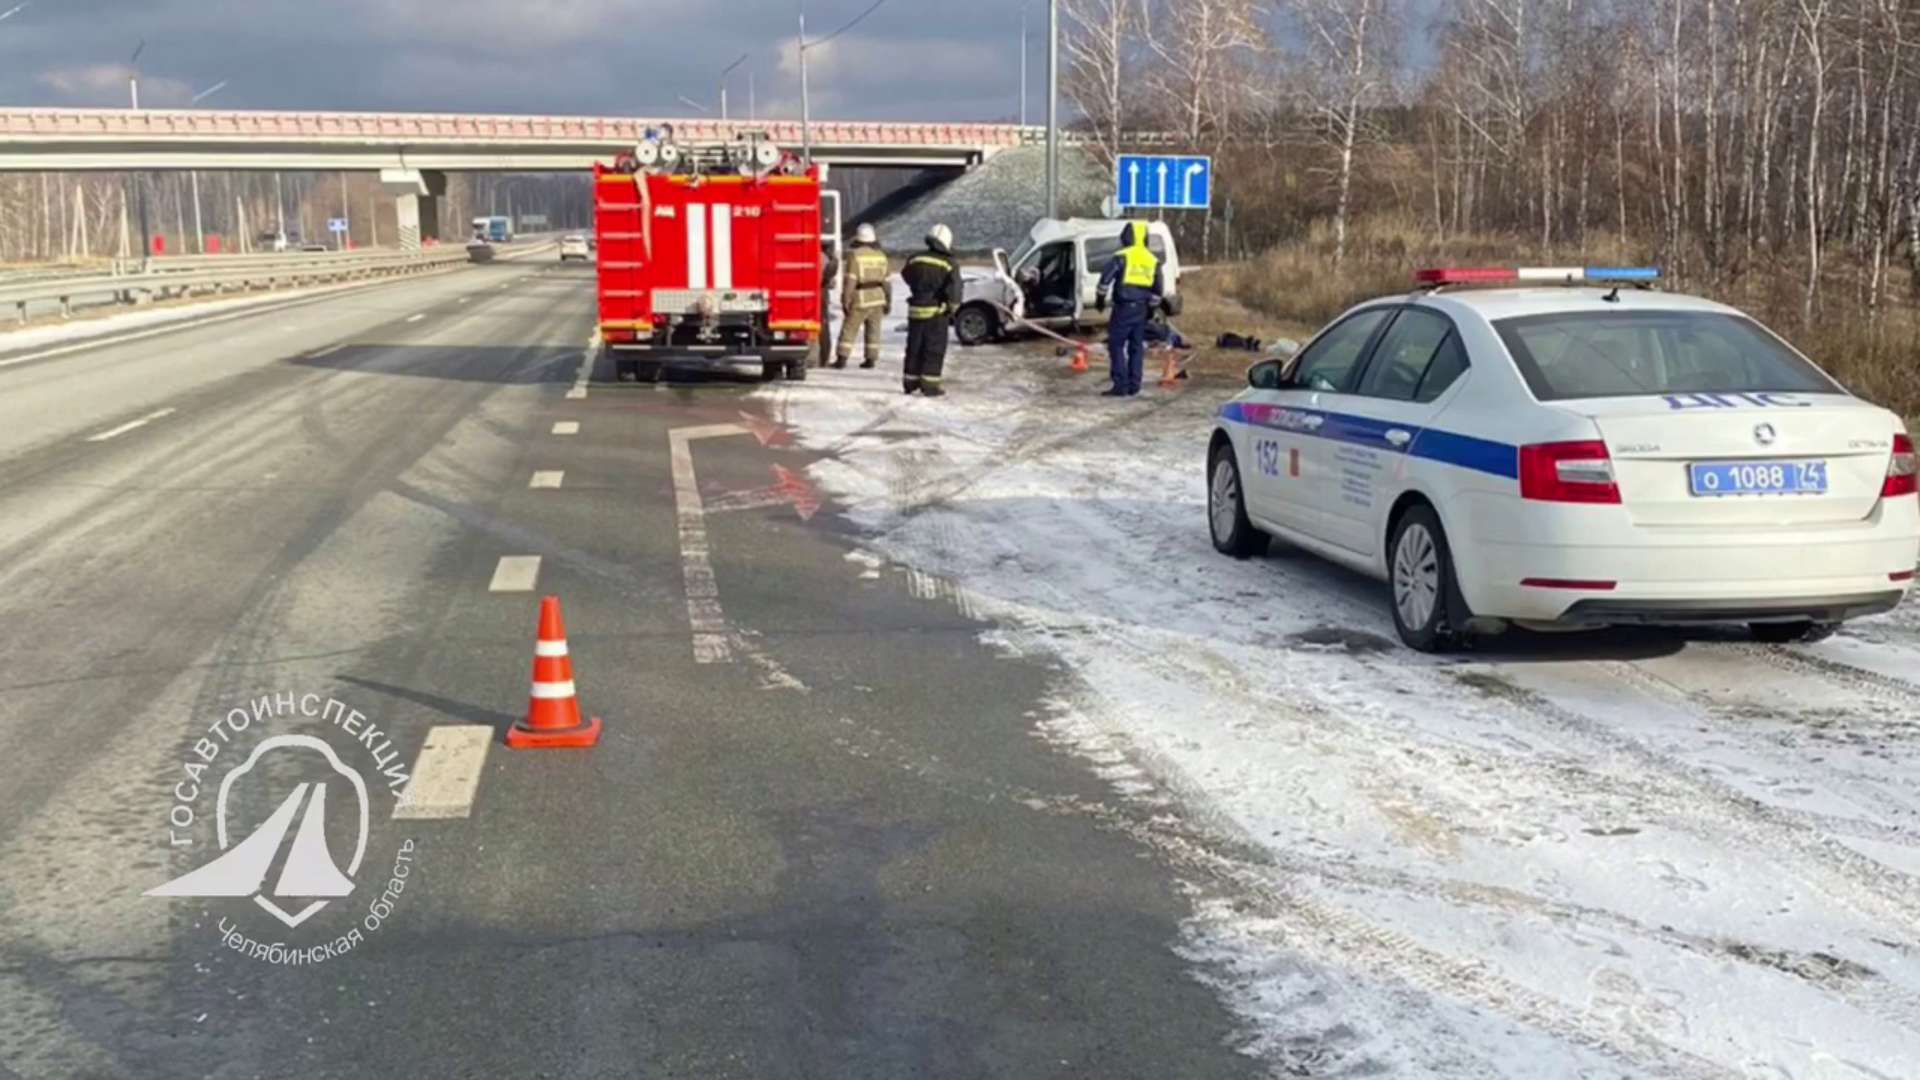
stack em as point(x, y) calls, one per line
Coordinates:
point(1627, 854)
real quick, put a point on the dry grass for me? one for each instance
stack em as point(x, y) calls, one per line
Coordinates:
point(1212, 308)
point(1293, 290)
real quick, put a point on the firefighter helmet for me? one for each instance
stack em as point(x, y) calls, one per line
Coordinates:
point(940, 237)
point(865, 235)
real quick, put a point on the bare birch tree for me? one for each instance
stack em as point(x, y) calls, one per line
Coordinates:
point(1348, 54)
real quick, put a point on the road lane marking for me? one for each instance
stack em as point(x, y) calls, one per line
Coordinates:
point(546, 478)
point(130, 425)
point(446, 774)
point(415, 318)
point(515, 573)
point(328, 351)
point(462, 300)
point(566, 427)
point(585, 373)
point(714, 641)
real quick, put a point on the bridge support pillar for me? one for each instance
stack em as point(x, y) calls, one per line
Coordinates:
point(417, 195)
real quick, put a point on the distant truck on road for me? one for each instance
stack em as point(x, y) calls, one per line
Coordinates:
point(494, 230)
point(709, 254)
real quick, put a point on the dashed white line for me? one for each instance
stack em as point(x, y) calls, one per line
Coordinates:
point(515, 573)
point(462, 300)
point(446, 774)
point(546, 478)
point(585, 374)
point(328, 351)
point(415, 318)
point(130, 425)
point(566, 427)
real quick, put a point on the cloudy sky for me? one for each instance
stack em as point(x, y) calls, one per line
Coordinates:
point(913, 59)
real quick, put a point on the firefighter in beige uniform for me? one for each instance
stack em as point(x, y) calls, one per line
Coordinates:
point(866, 293)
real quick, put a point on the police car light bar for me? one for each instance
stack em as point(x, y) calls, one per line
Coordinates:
point(1570, 275)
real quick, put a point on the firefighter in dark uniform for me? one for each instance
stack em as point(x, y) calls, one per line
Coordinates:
point(933, 295)
point(1132, 278)
point(829, 266)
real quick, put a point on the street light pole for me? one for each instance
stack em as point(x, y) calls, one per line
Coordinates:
point(139, 178)
point(199, 233)
point(1024, 4)
point(806, 111)
point(1053, 108)
point(728, 70)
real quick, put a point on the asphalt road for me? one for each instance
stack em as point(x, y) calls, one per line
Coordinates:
point(811, 846)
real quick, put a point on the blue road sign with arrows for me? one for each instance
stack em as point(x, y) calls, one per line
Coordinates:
point(1160, 181)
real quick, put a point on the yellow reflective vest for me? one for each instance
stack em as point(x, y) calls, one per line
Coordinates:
point(1142, 265)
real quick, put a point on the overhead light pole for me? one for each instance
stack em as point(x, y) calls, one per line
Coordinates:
point(1024, 6)
point(728, 70)
point(139, 178)
point(193, 175)
point(1053, 108)
point(806, 110)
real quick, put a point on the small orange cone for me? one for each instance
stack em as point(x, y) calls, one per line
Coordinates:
point(553, 714)
point(1079, 359)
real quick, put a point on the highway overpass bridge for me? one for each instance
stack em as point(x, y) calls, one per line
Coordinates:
point(413, 152)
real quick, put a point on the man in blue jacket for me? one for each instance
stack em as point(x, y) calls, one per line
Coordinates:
point(1133, 281)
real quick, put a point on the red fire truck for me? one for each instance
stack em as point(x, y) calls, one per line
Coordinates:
point(709, 255)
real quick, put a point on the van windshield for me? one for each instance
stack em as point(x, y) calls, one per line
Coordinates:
point(1625, 353)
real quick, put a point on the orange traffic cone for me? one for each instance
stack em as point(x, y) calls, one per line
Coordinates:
point(553, 714)
point(1079, 360)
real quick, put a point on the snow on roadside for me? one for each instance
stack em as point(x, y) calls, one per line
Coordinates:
point(131, 319)
point(111, 322)
point(1634, 856)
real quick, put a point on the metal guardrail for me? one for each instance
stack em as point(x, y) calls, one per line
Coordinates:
point(228, 273)
point(174, 264)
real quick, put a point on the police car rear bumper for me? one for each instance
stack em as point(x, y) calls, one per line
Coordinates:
point(1603, 570)
point(1829, 609)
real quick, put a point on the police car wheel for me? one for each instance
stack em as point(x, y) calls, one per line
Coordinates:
point(1227, 520)
point(973, 325)
point(1420, 572)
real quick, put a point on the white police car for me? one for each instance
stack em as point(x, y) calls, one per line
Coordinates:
point(1570, 448)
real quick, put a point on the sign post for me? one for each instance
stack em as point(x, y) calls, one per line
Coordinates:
point(1163, 182)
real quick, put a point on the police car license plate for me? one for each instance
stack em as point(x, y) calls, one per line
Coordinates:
point(1715, 478)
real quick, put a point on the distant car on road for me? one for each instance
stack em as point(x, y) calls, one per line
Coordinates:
point(574, 246)
point(315, 247)
point(1569, 457)
point(1053, 279)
